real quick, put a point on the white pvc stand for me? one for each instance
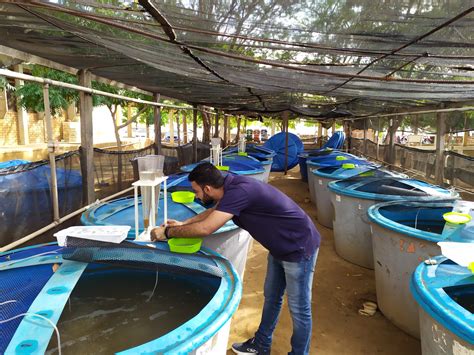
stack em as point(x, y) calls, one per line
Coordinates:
point(216, 152)
point(145, 235)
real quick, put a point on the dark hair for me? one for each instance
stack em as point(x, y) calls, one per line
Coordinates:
point(206, 174)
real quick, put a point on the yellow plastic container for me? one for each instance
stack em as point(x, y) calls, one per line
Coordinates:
point(348, 166)
point(457, 218)
point(222, 167)
point(185, 245)
point(183, 196)
point(242, 154)
point(341, 157)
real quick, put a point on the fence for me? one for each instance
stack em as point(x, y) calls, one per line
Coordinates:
point(421, 163)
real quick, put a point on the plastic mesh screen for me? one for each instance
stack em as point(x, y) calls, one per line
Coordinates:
point(25, 198)
point(127, 254)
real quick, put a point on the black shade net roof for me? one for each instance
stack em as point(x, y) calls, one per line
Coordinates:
point(321, 58)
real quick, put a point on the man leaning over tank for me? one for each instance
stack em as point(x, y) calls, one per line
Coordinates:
point(281, 226)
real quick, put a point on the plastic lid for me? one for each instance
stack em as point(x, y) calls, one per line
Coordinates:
point(456, 217)
point(341, 157)
point(243, 154)
point(348, 166)
point(223, 167)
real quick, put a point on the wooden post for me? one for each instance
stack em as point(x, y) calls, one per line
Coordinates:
point(391, 130)
point(272, 128)
point(439, 162)
point(129, 117)
point(377, 139)
point(226, 123)
point(87, 148)
point(157, 124)
point(22, 114)
point(466, 133)
point(365, 137)
point(195, 152)
point(285, 128)
point(216, 124)
point(51, 149)
point(178, 127)
point(333, 127)
point(185, 128)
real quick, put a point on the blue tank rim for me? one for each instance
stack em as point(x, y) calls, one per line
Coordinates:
point(449, 195)
point(377, 218)
point(88, 217)
point(427, 290)
point(360, 169)
point(204, 325)
point(251, 170)
point(318, 161)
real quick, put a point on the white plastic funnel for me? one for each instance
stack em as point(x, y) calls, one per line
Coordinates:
point(461, 253)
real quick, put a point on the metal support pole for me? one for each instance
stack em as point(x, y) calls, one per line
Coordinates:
point(195, 126)
point(439, 162)
point(87, 147)
point(157, 123)
point(51, 149)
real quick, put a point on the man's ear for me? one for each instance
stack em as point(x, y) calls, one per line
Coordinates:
point(206, 189)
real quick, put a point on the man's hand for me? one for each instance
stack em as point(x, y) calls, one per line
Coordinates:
point(158, 234)
point(173, 223)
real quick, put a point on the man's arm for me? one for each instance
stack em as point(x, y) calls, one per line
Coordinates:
point(213, 221)
point(199, 217)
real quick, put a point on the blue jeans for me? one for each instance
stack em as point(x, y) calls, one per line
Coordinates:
point(297, 279)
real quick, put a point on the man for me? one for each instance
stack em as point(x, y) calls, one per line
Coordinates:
point(281, 226)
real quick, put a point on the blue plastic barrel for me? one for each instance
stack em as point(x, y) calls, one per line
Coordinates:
point(403, 234)
point(277, 143)
point(444, 292)
point(328, 160)
point(352, 198)
point(323, 176)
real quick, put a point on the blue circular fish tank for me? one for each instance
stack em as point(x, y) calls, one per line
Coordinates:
point(444, 292)
point(352, 198)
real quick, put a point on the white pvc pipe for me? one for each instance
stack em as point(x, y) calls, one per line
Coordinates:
point(21, 76)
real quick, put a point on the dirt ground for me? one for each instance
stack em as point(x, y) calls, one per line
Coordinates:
point(339, 289)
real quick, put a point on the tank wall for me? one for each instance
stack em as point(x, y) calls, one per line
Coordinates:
point(437, 340)
point(352, 235)
point(311, 178)
point(323, 199)
point(396, 257)
point(266, 174)
point(217, 344)
point(233, 245)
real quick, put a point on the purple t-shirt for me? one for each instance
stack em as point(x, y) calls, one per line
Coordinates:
point(270, 217)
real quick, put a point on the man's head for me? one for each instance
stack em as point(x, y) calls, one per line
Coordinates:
point(207, 182)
